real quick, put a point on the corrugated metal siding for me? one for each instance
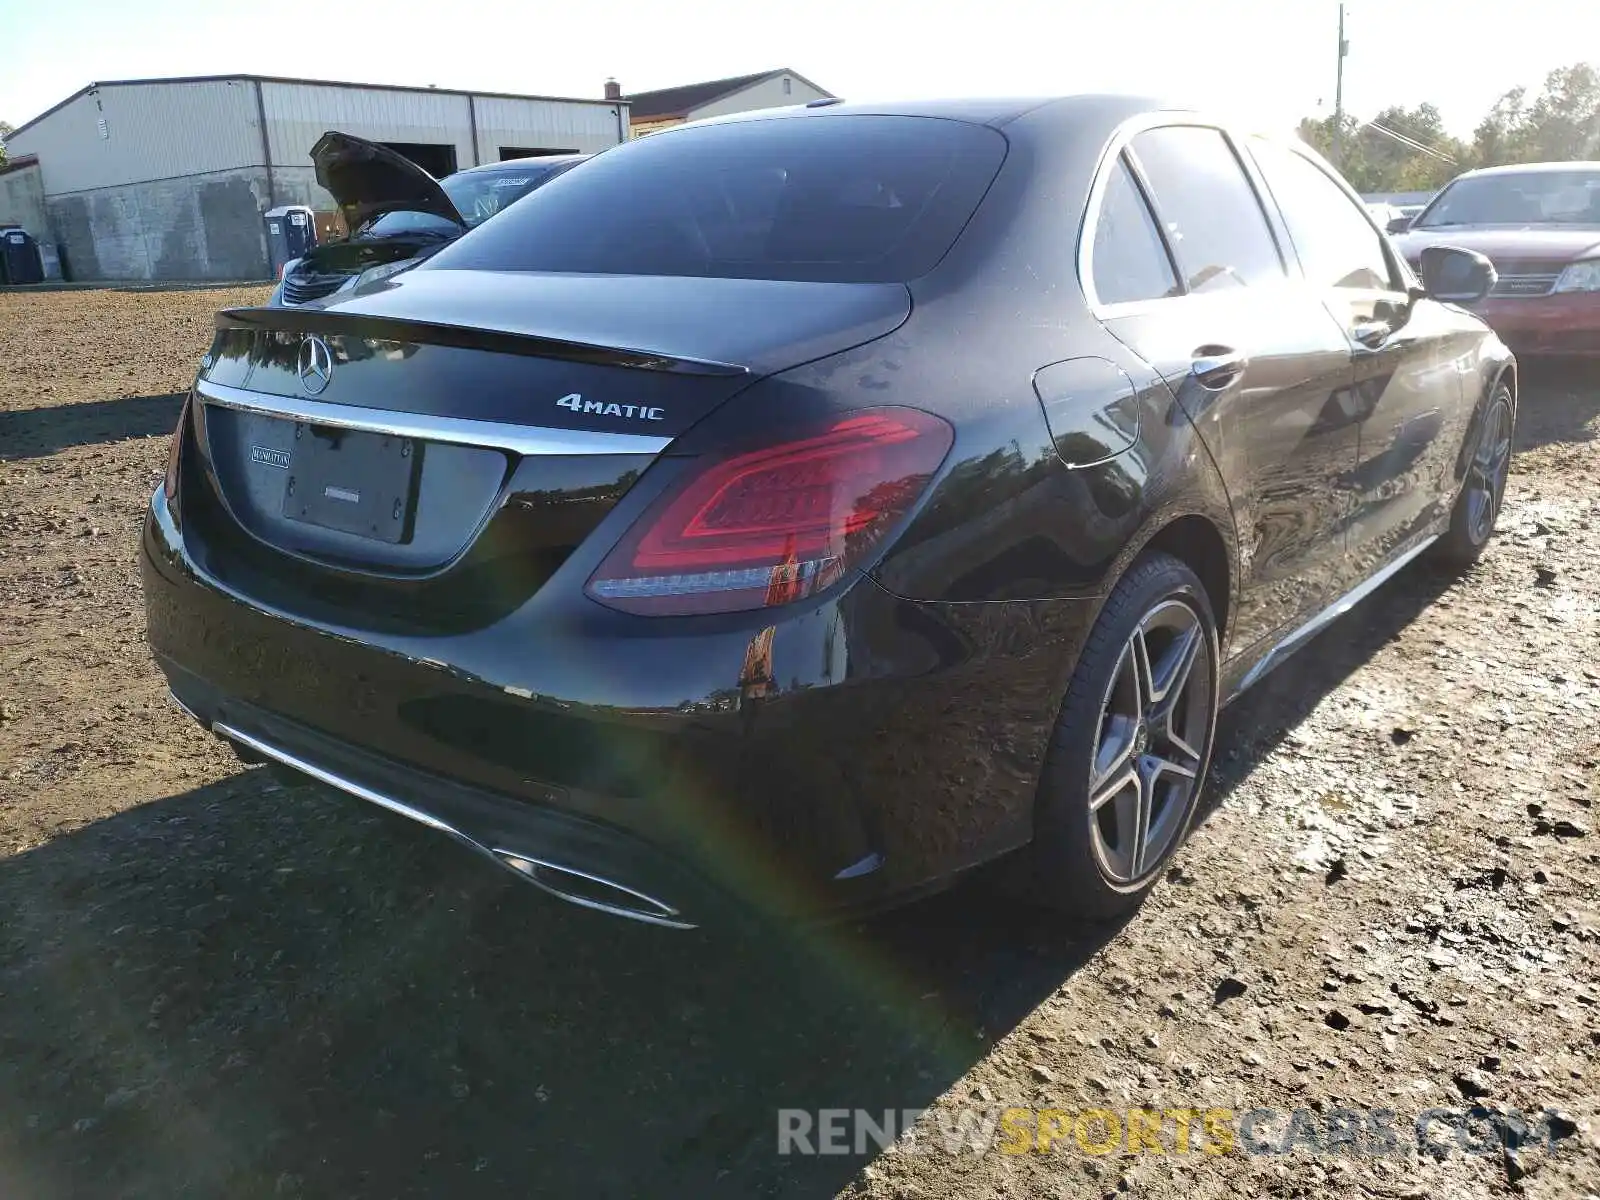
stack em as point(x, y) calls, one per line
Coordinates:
point(299, 113)
point(166, 130)
point(544, 125)
point(152, 131)
point(769, 94)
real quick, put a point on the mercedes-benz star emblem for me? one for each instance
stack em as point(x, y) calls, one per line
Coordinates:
point(316, 365)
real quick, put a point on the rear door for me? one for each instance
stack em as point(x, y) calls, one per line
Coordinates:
point(1407, 385)
point(1254, 358)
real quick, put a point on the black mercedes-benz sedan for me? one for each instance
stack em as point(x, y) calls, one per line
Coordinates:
point(788, 514)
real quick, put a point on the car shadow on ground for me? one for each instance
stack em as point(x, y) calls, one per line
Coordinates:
point(247, 989)
point(1254, 725)
point(37, 432)
point(1558, 402)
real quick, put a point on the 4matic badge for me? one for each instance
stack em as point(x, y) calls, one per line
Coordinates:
point(600, 408)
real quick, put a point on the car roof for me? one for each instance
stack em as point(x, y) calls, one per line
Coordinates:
point(522, 164)
point(1538, 168)
point(995, 111)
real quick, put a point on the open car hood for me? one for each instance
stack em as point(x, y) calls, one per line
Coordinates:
point(368, 180)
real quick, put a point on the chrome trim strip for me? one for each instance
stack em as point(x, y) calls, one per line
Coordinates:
point(517, 439)
point(362, 792)
point(663, 918)
point(1327, 616)
point(172, 696)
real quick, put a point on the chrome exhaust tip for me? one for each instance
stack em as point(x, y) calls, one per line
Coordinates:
point(592, 891)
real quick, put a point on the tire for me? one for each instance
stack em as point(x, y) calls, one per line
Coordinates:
point(1483, 490)
point(1134, 719)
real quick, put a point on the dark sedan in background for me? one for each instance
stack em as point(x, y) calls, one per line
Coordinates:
point(1540, 225)
point(795, 511)
point(397, 213)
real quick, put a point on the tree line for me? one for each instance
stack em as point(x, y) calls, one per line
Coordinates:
point(1560, 122)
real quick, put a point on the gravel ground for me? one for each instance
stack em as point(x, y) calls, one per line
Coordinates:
point(210, 985)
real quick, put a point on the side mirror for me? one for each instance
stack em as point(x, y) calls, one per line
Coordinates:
point(1456, 275)
point(1397, 225)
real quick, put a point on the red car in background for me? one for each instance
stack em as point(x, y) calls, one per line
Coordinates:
point(1539, 223)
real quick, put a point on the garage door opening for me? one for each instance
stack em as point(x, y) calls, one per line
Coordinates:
point(436, 159)
point(510, 152)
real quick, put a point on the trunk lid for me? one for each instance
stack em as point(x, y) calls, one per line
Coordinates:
point(367, 180)
point(389, 453)
point(761, 325)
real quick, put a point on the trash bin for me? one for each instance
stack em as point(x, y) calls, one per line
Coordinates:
point(291, 231)
point(19, 256)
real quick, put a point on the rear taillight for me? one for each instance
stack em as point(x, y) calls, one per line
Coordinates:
point(169, 485)
point(776, 524)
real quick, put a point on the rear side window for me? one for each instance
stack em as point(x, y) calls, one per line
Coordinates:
point(850, 199)
point(1129, 261)
point(1338, 246)
point(1212, 217)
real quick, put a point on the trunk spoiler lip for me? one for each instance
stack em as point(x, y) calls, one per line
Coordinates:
point(439, 333)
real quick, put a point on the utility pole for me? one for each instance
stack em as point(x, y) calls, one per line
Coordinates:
point(1338, 96)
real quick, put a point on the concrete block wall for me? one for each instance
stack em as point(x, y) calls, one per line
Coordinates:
point(298, 185)
point(22, 202)
point(194, 227)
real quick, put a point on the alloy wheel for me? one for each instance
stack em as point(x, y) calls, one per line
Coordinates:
point(1486, 475)
point(1148, 758)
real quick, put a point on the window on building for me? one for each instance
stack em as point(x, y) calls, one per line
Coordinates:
point(509, 152)
point(437, 159)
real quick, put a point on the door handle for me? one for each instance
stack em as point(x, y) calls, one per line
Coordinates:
point(1371, 334)
point(1215, 367)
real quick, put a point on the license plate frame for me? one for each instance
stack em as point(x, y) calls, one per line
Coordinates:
point(354, 481)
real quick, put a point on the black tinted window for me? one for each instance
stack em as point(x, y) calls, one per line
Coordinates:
point(1213, 220)
point(1129, 260)
point(1337, 245)
point(836, 198)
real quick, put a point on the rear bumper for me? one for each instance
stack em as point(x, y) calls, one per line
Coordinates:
point(839, 759)
point(1567, 324)
point(580, 861)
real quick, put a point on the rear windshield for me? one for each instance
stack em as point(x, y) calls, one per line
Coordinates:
point(849, 199)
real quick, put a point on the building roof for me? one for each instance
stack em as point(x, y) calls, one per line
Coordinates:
point(338, 83)
point(680, 101)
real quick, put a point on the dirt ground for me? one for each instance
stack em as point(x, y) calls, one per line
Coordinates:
point(210, 985)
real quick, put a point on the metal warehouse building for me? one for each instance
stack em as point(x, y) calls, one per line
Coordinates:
point(149, 179)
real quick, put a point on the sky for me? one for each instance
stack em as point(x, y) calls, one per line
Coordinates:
point(1273, 60)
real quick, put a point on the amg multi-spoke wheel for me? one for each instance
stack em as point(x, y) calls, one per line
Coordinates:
point(1147, 764)
point(1484, 488)
point(1132, 744)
